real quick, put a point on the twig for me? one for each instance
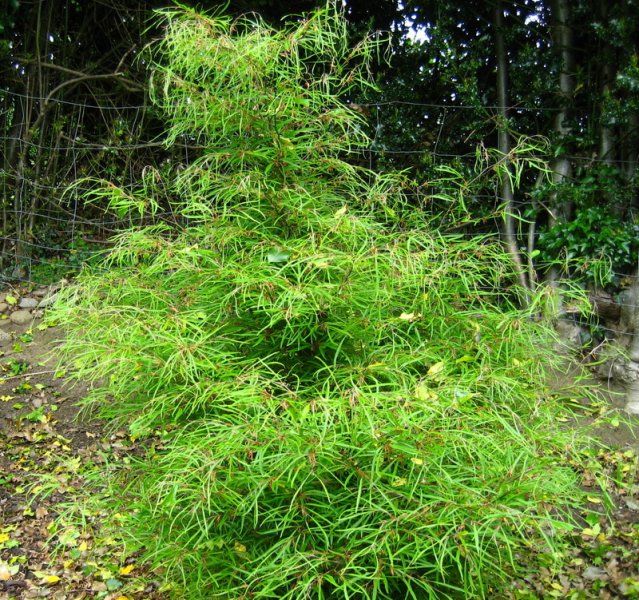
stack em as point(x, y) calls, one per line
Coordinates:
point(3, 379)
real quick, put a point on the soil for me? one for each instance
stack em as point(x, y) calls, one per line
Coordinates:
point(44, 438)
point(44, 443)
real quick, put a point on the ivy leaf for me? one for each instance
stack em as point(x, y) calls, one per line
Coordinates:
point(113, 584)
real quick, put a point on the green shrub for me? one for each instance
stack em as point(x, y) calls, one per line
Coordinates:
point(600, 241)
point(349, 405)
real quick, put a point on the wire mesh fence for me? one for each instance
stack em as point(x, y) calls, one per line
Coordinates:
point(48, 229)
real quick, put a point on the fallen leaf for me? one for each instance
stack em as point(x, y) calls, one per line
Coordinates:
point(7, 571)
point(592, 573)
point(423, 393)
point(46, 577)
point(341, 212)
point(408, 317)
point(99, 586)
point(438, 367)
point(632, 504)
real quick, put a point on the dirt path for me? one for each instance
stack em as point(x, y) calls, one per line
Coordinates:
point(44, 448)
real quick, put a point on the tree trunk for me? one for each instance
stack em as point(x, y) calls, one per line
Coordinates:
point(561, 167)
point(560, 209)
point(631, 154)
point(606, 77)
point(509, 232)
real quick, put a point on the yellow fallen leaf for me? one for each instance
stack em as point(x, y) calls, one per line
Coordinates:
point(417, 461)
point(438, 367)
point(239, 547)
point(4, 538)
point(423, 393)
point(126, 570)
point(341, 212)
point(593, 499)
point(399, 482)
point(123, 598)
point(83, 546)
point(52, 579)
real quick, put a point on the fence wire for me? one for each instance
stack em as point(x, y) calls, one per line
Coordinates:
point(47, 229)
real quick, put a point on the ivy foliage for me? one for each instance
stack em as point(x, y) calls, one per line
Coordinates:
point(351, 406)
point(599, 243)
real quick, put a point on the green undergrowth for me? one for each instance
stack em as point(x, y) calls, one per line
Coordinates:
point(352, 405)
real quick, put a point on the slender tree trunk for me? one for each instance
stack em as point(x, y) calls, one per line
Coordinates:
point(631, 154)
point(20, 175)
point(562, 40)
point(606, 77)
point(560, 209)
point(509, 232)
point(13, 134)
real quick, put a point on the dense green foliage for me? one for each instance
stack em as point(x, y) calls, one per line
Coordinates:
point(598, 230)
point(571, 77)
point(350, 404)
point(73, 105)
